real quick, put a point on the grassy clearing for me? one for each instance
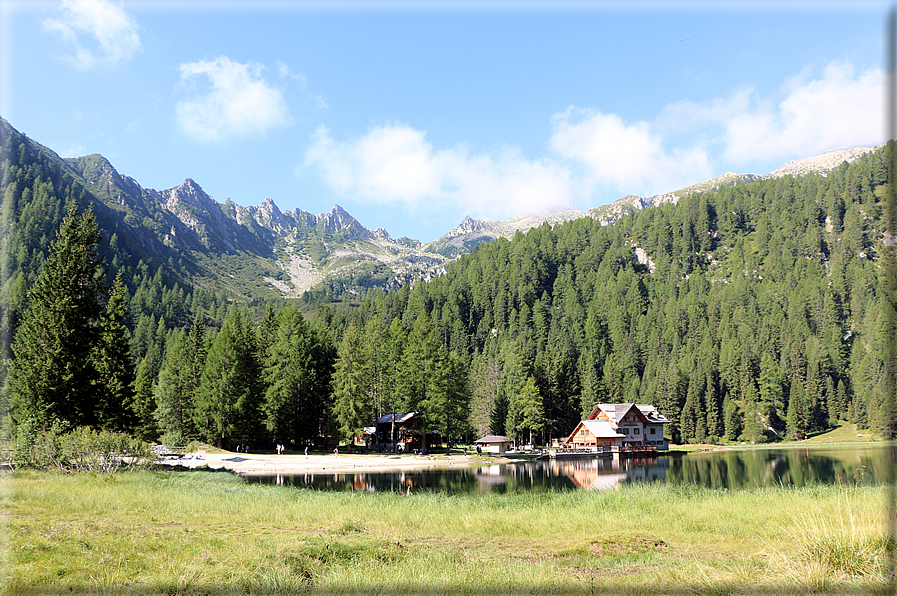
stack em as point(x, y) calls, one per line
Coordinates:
point(209, 533)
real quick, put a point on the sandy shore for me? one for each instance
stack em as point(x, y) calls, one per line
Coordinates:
point(265, 464)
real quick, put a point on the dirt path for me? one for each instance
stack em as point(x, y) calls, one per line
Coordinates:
point(264, 464)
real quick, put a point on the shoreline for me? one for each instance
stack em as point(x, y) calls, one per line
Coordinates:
point(263, 464)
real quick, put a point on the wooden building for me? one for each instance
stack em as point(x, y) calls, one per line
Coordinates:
point(618, 427)
point(402, 433)
point(494, 443)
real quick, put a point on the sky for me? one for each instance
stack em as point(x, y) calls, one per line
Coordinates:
point(412, 115)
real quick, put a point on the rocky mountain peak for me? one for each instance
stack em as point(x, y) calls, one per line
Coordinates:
point(338, 219)
point(468, 224)
point(189, 192)
point(382, 234)
point(269, 215)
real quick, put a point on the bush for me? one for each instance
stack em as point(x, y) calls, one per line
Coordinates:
point(35, 446)
point(80, 450)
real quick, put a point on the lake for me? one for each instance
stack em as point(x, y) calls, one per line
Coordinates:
point(734, 469)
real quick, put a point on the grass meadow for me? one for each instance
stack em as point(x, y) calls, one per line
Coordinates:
point(155, 532)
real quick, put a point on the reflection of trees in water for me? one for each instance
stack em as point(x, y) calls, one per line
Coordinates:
point(789, 466)
point(731, 469)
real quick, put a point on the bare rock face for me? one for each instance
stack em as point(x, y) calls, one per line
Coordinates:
point(820, 164)
point(338, 220)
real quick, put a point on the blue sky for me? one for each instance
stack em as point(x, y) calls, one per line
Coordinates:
point(412, 115)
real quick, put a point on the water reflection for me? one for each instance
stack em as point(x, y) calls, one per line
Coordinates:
point(733, 469)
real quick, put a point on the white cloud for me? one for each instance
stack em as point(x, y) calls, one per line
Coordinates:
point(841, 108)
point(596, 156)
point(236, 102)
point(396, 164)
point(628, 157)
point(284, 71)
point(99, 32)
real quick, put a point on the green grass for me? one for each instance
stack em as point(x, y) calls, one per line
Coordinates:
point(210, 533)
point(845, 433)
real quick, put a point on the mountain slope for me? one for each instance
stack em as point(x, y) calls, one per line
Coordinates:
point(263, 252)
point(466, 236)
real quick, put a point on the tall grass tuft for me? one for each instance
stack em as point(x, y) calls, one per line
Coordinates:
point(850, 545)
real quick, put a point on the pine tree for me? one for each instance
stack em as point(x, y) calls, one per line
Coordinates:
point(144, 404)
point(796, 418)
point(113, 362)
point(485, 374)
point(525, 412)
point(732, 419)
point(54, 372)
point(352, 377)
point(227, 407)
point(297, 400)
point(172, 395)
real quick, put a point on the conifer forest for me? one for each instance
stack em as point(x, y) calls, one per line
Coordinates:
point(752, 312)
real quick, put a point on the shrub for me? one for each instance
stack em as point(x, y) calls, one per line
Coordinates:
point(80, 450)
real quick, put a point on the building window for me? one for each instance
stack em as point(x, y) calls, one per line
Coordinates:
point(652, 430)
point(625, 431)
point(636, 431)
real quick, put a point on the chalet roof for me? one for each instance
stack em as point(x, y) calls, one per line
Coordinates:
point(616, 412)
point(398, 418)
point(490, 439)
point(651, 413)
point(601, 429)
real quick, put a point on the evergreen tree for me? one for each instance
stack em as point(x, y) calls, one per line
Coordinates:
point(54, 371)
point(113, 363)
point(352, 378)
point(485, 374)
point(796, 418)
point(144, 404)
point(298, 374)
point(525, 412)
point(732, 418)
point(172, 395)
point(227, 407)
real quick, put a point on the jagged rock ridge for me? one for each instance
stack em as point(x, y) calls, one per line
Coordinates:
point(248, 251)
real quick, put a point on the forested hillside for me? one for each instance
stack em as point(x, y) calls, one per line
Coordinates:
point(749, 313)
point(753, 312)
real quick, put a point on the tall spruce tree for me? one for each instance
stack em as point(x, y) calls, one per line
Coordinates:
point(112, 354)
point(55, 373)
point(352, 383)
point(227, 402)
point(297, 401)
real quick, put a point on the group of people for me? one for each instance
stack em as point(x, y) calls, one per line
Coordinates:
point(280, 449)
point(242, 448)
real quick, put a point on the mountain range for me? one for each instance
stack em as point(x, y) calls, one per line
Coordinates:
point(259, 252)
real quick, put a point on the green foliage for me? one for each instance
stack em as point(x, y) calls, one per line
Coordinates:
point(525, 413)
point(80, 450)
point(759, 306)
point(228, 407)
point(297, 374)
point(749, 288)
point(352, 378)
point(71, 353)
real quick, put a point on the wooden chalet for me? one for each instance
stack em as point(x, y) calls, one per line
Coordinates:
point(620, 427)
point(408, 433)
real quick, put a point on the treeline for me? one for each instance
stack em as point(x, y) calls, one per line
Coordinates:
point(753, 312)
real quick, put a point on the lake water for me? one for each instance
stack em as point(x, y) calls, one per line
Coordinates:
point(866, 464)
